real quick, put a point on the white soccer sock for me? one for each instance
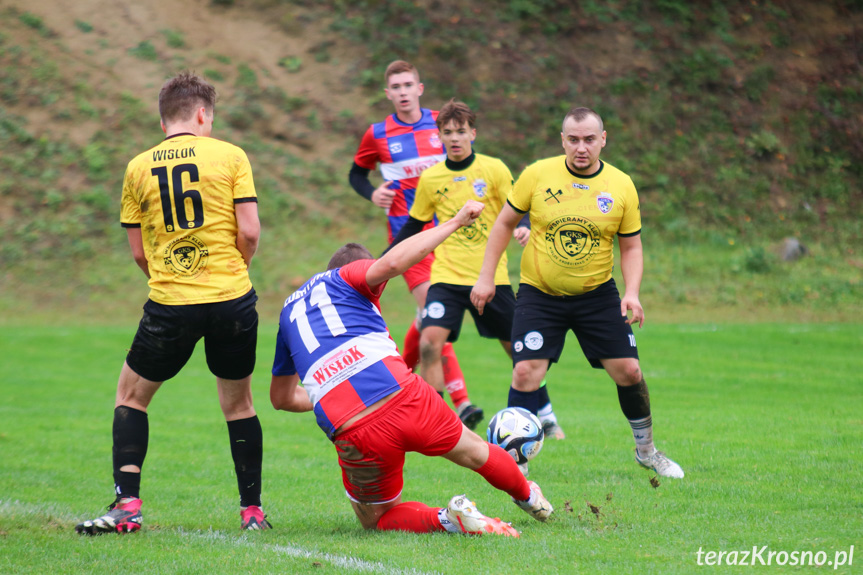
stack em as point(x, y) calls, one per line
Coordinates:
point(642, 432)
point(546, 414)
point(446, 523)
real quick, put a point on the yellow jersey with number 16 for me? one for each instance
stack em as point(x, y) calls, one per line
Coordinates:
point(182, 194)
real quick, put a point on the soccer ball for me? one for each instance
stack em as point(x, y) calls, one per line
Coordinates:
point(517, 431)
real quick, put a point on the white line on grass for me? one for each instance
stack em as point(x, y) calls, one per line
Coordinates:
point(293, 551)
point(14, 507)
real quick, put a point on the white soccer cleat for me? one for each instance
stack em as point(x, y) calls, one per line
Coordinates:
point(463, 512)
point(663, 466)
point(536, 505)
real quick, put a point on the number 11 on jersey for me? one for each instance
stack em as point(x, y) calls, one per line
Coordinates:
point(320, 298)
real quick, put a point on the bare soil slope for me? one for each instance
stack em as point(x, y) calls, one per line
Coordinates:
point(260, 37)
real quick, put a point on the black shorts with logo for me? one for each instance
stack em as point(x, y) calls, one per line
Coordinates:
point(445, 305)
point(542, 320)
point(167, 335)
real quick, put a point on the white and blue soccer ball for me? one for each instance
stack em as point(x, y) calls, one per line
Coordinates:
point(517, 431)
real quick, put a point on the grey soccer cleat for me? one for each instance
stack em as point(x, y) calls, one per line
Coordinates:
point(660, 463)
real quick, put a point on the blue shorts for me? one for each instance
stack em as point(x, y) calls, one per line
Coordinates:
point(542, 320)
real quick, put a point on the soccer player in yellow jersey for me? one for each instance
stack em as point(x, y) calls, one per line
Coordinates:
point(577, 205)
point(190, 211)
point(442, 190)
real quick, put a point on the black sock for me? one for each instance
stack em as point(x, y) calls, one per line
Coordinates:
point(530, 400)
point(247, 449)
point(542, 398)
point(131, 434)
point(634, 400)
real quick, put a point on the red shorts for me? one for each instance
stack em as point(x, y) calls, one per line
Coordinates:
point(419, 272)
point(372, 451)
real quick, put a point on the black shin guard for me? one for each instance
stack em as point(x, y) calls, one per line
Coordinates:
point(634, 400)
point(131, 435)
point(247, 449)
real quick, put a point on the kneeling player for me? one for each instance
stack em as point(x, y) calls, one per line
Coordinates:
point(333, 339)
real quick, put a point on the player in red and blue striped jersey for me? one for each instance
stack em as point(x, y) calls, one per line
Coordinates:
point(405, 144)
point(356, 363)
point(403, 150)
point(333, 339)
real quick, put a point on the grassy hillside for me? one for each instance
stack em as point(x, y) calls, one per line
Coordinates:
point(740, 122)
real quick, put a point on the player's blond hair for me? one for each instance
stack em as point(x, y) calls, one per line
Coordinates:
point(183, 94)
point(398, 67)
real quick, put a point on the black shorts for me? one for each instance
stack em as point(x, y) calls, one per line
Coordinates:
point(541, 322)
point(445, 305)
point(167, 335)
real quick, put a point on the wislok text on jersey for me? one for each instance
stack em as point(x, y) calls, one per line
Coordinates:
point(164, 155)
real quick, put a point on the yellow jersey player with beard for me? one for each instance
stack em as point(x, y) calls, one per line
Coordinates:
point(577, 205)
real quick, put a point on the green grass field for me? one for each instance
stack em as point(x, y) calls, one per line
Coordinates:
point(764, 418)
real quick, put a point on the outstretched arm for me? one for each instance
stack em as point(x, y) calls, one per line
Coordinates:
point(483, 291)
point(410, 251)
point(411, 228)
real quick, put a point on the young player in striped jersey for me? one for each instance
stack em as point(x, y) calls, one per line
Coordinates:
point(333, 340)
point(405, 144)
point(577, 205)
point(189, 207)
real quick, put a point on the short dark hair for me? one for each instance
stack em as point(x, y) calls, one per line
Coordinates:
point(457, 112)
point(579, 114)
point(397, 67)
point(349, 253)
point(183, 94)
